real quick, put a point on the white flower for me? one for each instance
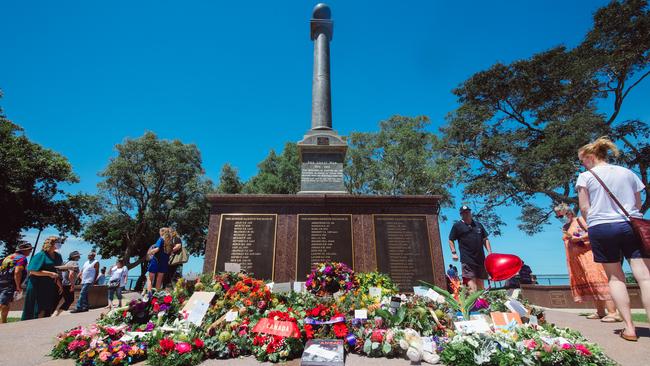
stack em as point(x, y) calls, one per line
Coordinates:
point(413, 354)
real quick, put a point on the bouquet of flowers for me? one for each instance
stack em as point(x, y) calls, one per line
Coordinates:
point(74, 341)
point(331, 277)
point(169, 352)
point(275, 348)
point(249, 292)
point(113, 353)
point(376, 279)
point(231, 341)
point(325, 322)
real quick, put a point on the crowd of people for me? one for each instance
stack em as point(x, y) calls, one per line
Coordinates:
point(47, 283)
point(596, 242)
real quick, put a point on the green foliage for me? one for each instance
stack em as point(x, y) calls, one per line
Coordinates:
point(229, 181)
point(30, 188)
point(465, 302)
point(278, 174)
point(516, 133)
point(402, 158)
point(151, 183)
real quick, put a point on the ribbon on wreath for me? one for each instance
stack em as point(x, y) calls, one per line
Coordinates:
point(277, 327)
point(338, 319)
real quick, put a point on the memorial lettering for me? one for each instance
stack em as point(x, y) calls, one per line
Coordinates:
point(323, 238)
point(248, 240)
point(403, 249)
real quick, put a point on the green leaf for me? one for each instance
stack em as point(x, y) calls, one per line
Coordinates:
point(367, 346)
point(399, 316)
point(385, 315)
point(386, 348)
point(375, 345)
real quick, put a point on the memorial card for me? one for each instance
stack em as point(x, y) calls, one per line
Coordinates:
point(322, 352)
point(197, 306)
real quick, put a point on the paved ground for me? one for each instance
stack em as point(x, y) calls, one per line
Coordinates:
point(27, 343)
point(624, 352)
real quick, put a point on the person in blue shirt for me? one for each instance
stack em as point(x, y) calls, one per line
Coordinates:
point(159, 262)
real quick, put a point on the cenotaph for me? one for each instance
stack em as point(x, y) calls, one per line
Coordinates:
point(280, 237)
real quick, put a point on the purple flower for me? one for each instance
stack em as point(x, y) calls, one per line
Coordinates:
point(164, 307)
point(481, 304)
point(149, 327)
point(328, 270)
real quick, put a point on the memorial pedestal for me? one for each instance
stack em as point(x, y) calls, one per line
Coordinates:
point(278, 237)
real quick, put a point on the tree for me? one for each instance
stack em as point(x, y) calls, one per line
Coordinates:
point(516, 133)
point(30, 188)
point(402, 158)
point(278, 174)
point(229, 181)
point(150, 184)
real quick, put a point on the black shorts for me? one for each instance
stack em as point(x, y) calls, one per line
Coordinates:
point(7, 295)
point(474, 271)
point(609, 241)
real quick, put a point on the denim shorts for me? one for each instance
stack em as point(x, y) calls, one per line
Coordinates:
point(609, 241)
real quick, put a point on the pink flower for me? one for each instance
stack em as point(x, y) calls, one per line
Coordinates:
point(582, 349)
point(530, 344)
point(566, 346)
point(104, 356)
point(547, 348)
point(183, 347)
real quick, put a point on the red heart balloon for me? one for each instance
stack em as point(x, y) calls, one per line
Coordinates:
point(502, 266)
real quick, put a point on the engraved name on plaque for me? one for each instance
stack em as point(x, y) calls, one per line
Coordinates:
point(403, 249)
point(323, 238)
point(247, 239)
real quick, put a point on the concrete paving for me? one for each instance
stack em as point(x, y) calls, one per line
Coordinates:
point(604, 334)
point(29, 342)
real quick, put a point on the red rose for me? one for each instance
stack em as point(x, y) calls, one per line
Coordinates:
point(154, 301)
point(167, 344)
point(340, 329)
point(168, 299)
point(124, 313)
point(309, 331)
point(198, 343)
point(377, 336)
point(156, 308)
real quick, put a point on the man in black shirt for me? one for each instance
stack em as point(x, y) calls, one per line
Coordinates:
point(471, 237)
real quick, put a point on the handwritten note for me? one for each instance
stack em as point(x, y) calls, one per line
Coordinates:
point(361, 314)
point(374, 291)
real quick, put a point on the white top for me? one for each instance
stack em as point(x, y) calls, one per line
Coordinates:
point(88, 272)
point(623, 184)
point(119, 274)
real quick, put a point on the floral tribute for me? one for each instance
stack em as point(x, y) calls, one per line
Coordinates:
point(276, 347)
point(246, 319)
point(330, 277)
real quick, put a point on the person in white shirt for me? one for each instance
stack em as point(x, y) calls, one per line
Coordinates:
point(610, 232)
point(116, 282)
point(88, 274)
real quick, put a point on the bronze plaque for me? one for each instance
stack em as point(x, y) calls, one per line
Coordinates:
point(247, 239)
point(557, 299)
point(403, 249)
point(323, 238)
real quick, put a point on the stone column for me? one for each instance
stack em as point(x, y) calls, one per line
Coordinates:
point(321, 33)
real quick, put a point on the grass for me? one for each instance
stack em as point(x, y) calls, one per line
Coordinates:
point(640, 317)
point(11, 320)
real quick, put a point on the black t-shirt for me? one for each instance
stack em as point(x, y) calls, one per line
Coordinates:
point(470, 241)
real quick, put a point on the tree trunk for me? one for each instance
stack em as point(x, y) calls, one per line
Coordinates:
point(142, 280)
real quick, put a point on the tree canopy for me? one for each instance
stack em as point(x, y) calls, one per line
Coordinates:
point(402, 158)
point(31, 195)
point(517, 130)
point(150, 184)
point(277, 174)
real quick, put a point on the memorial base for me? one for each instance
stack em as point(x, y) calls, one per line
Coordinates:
point(279, 237)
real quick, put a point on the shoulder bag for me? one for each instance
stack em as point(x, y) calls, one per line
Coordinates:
point(178, 258)
point(640, 225)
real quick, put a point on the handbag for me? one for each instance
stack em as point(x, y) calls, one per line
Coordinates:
point(179, 257)
point(114, 284)
point(640, 225)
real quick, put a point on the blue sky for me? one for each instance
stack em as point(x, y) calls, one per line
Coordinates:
point(234, 78)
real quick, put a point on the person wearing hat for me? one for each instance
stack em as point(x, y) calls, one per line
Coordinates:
point(12, 273)
point(471, 237)
point(69, 274)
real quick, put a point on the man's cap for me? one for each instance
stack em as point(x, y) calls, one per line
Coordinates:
point(24, 246)
point(74, 254)
point(464, 208)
